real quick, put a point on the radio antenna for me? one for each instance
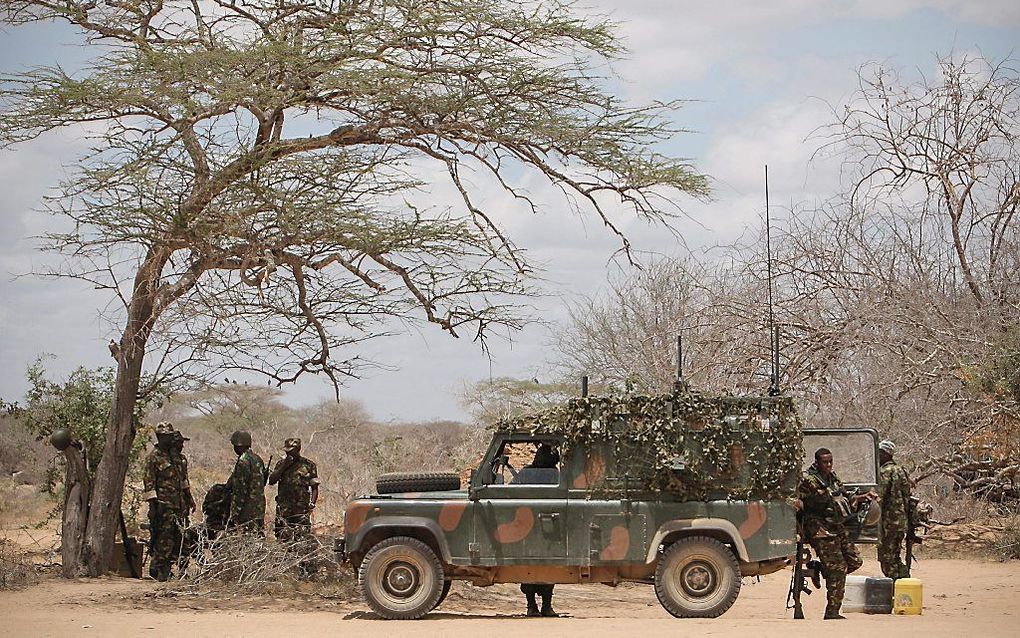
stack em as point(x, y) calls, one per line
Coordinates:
point(680, 381)
point(773, 330)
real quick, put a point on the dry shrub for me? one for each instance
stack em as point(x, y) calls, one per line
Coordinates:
point(1010, 548)
point(16, 568)
point(248, 565)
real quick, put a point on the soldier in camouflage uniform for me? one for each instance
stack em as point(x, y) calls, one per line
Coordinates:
point(894, 490)
point(247, 487)
point(826, 504)
point(299, 490)
point(189, 538)
point(165, 490)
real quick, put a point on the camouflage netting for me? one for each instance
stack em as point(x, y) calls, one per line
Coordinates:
point(690, 445)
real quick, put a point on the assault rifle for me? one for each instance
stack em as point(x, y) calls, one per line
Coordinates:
point(804, 568)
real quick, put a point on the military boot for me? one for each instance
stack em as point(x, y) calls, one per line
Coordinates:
point(532, 606)
point(547, 609)
point(833, 614)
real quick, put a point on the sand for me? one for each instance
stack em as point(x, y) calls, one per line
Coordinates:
point(963, 598)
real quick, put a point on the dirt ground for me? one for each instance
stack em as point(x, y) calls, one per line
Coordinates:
point(962, 597)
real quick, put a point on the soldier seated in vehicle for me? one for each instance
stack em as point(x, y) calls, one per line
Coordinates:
point(543, 470)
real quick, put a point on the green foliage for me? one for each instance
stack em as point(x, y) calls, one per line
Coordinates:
point(266, 157)
point(689, 444)
point(80, 404)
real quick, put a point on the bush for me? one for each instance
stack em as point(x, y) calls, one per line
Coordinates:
point(16, 570)
point(244, 565)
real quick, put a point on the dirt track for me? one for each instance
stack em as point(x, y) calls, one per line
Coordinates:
point(962, 598)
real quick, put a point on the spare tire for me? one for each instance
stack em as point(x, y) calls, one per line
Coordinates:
point(397, 482)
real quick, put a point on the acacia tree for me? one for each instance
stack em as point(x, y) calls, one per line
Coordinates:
point(255, 194)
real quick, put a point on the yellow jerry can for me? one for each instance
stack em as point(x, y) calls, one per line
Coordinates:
point(907, 596)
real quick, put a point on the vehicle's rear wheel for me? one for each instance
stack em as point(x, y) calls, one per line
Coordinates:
point(401, 578)
point(697, 577)
point(396, 482)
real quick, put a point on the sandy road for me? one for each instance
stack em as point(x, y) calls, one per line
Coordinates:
point(963, 599)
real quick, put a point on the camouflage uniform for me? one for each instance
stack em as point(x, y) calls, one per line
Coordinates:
point(894, 489)
point(294, 498)
point(247, 492)
point(189, 537)
point(823, 526)
point(165, 491)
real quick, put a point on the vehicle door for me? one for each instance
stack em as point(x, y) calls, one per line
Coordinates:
point(608, 519)
point(855, 462)
point(520, 512)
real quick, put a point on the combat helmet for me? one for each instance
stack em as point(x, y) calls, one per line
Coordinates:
point(61, 439)
point(240, 438)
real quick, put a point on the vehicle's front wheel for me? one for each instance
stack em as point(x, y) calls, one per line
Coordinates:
point(401, 578)
point(697, 577)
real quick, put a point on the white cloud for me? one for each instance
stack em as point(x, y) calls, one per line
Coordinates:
point(730, 50)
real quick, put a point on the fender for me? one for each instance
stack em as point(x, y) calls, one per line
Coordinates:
point(695, 525)
point(353, 544)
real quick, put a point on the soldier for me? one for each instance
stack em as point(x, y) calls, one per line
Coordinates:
point(894, 490)
point(165, 492)
point(545, 457)
point(298, 492)
point(247, 487)
point(189, 538)
point(826, 505)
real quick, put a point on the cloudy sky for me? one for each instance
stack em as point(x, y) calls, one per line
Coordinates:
point(762, 77)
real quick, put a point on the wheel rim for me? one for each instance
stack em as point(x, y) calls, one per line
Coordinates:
point(697, 579)
point(401, 579)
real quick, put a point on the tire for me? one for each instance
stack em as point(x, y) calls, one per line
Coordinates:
point(446, 590)
point(401, 578)
point(697, 577)
point(417, 482)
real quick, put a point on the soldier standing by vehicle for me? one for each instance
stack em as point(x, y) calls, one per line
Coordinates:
point(247, 487)
point(299, 490)
point(545, 457)
point(894, 489)
point(165, 492)
point(189, 539)
point(827, 504)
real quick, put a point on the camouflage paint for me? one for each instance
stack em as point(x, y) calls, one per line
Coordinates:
point(494, 529)
point(517, 529)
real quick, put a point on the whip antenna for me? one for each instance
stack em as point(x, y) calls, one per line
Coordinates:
point(773, 330)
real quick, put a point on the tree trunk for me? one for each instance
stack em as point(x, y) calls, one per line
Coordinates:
point(108, 489)
point(77, 489)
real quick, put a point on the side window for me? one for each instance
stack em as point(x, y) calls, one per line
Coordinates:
point(853, 454)
point(528, 462)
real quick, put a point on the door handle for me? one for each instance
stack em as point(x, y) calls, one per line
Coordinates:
point(549, 516)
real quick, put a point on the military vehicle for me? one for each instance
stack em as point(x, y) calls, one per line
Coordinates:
point(683, 491)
